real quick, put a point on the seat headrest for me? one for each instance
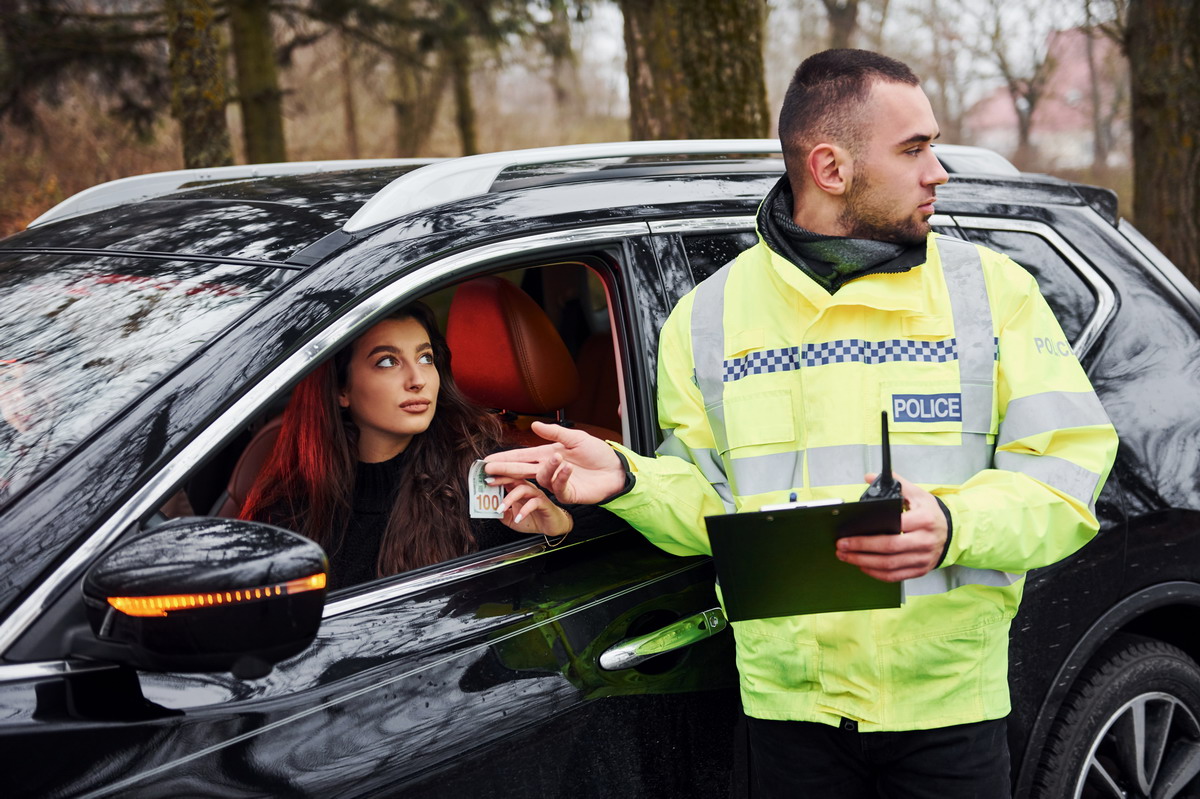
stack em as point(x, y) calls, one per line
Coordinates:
point(505, 352)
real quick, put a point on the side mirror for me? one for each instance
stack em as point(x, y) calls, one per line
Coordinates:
point(203, 594)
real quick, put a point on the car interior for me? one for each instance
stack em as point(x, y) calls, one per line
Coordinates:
point(533, 343)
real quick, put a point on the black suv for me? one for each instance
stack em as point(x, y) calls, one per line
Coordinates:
point(152, 330)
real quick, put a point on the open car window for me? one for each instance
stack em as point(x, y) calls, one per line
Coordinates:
point(569, 297)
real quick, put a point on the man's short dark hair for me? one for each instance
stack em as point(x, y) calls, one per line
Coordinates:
point(825, 99)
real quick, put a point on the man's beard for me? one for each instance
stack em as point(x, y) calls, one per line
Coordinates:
point(866, 218)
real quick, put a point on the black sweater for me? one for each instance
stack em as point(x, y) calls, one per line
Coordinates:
point(375, 486)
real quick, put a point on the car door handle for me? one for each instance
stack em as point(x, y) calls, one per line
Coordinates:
point(633, 651)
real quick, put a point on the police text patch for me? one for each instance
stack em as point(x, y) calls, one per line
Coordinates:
point(927, 407)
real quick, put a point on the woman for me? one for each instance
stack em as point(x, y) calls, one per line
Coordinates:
point(373, 454)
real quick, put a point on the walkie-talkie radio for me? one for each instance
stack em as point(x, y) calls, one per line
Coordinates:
point(886, 486)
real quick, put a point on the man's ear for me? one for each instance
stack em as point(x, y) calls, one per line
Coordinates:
point(830, 168)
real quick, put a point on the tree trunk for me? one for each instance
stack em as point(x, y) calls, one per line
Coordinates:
point(564, 74)
point(695, 69)
point(1026, 155)
point(1162, 41)
point(417, 98)
point(419, 74)
point(654, 64)
point(258, 81)
point(349, 116)
point(843, 21)
point(197, 84)
point(459, 50)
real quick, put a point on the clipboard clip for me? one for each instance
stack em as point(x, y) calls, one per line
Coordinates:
point(886, 486)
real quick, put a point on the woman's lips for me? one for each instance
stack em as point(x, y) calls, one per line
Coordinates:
point(415, 406)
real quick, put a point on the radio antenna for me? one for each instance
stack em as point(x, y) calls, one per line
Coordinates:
point(886, 486)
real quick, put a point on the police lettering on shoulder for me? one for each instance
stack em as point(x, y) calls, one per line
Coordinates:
point(1052, 346)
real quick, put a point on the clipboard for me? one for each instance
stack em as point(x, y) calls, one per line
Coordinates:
point(781, 560)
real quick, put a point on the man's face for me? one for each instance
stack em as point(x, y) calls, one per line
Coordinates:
point(895, 174)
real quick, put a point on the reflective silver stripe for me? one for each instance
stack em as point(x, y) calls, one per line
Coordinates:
point(708, 461)
point(977, 399)
point(708, 349)
point(1051, 410)
point(963, 270)
point(845, 464)
point(1069, 478)
point(760, 474)
point(939, 581)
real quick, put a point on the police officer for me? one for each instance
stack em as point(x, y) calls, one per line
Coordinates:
point(772, 375)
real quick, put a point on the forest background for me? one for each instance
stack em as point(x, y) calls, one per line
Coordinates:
point(1099, 91)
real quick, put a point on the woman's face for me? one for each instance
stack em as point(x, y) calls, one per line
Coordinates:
point(391, 387)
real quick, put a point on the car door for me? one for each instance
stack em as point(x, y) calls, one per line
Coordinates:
point(498, 673)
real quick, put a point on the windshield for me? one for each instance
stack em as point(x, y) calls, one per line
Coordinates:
point(80, 338)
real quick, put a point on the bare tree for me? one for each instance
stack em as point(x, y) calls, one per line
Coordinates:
point(564, 67)
point(943, 60)
point(1162, 41)
point(47, 44)
point(1015, 39)
point(1108, 78)
point(259, 95)
point(349, 113)
point(843, 21)
point(876, 22)
point(197, 83)
point(695, 68)
point(456, 35)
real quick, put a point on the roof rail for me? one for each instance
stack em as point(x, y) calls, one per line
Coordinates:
point(454, 179)
point(156, 184)
point(968, 160)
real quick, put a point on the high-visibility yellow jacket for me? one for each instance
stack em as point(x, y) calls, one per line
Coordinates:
point(768, 384)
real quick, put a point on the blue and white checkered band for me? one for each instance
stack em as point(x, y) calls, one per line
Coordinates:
point(853, 350)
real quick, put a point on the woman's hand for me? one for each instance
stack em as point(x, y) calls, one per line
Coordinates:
point(527, 509)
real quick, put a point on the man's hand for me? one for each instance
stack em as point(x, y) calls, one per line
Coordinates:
point(911, 554)
point(578, 468)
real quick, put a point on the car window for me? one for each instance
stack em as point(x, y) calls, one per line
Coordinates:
point(80, 338)
point(1068, 295)
point(708, 252)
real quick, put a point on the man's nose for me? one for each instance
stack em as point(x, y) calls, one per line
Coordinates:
point(936, 175)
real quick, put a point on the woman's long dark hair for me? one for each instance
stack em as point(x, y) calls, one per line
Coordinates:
point(307, 483)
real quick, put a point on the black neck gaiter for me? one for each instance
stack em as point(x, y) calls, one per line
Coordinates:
point(830, 261)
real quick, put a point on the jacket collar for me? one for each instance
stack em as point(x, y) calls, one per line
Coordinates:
point(916, 289)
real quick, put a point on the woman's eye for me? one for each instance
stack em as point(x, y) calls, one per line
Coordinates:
point(386, 362)
point(427, 359)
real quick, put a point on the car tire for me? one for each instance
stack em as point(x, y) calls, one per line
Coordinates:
point(1129, 728)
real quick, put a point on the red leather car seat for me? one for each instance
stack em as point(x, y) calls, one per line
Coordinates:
point(506, 354)
point(249, 464)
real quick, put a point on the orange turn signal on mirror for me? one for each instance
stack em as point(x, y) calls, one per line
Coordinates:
point(161, 605)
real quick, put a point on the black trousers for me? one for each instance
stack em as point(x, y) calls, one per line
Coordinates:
point(800, 759)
